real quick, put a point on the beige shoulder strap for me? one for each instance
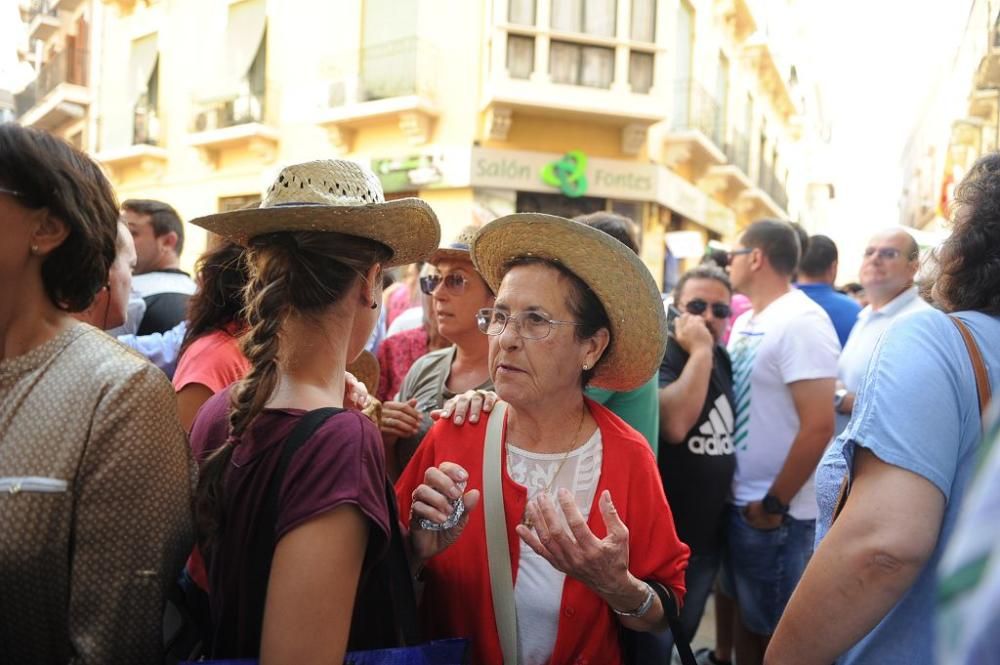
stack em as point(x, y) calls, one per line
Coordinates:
point(497, 545)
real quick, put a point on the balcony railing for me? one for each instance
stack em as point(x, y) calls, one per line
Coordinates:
point(67, 66)
point(768, 181)
point(697, 109)
point(145, 124)
point(241, 110)
point(737, 150)
point(399, 68)
point(42, 8)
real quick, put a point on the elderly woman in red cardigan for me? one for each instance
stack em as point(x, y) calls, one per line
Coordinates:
point(590, 538)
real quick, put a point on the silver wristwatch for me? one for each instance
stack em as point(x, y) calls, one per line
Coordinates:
point(642, 609)
point(838, 399)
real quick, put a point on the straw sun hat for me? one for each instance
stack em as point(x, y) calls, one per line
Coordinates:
point(334, 195)
point(457, 249)
point(621, 282)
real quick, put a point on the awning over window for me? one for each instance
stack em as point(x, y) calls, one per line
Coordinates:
point(119, 118)
point(140, 66)
point(244, 32)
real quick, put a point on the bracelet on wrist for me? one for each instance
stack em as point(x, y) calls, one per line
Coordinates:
point(640, 611)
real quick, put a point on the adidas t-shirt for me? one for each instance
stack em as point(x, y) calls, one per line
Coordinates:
point(791, 340)
point(698, 472)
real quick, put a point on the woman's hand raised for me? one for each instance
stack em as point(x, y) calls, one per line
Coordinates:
point(433, 501)
point(571, 547)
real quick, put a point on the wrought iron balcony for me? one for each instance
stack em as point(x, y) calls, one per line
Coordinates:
point(393, 81)
point(42, 17)
point(768, 181)
point(240, 110)
point(59, 92)
point(145, 124)
point(737, 150)
point(696, 128)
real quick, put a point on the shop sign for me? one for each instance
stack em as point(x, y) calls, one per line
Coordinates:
point(547, 172)
point(411, 172)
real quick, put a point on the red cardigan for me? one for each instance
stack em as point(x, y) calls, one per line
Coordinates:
point(457, 600)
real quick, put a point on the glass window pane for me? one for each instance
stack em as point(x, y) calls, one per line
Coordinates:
point(567, 15)
point(521, 12)
point(644, 20)
point(600, 17)
point(520, 56)
point(640, 71)
point(564, 63)
point(598, 66)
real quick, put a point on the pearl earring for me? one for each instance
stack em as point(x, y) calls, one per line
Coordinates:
point(34, 249)
point(586, 366)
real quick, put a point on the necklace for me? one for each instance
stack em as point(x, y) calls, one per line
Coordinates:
point(525, 520)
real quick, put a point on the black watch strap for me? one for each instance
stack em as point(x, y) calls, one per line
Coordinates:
point(772, 505)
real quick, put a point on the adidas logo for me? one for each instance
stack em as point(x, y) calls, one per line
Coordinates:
point(716, 432)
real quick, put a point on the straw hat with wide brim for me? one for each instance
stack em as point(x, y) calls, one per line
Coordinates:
point(457, 249)
point(365, 369)
point(621, 282)
point(334, 195)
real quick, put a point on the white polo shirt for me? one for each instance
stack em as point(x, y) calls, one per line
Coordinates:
point(861, 344)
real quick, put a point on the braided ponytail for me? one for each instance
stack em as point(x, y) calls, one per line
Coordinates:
point(290, 273)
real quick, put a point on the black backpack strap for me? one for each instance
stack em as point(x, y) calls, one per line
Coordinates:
point(263, 540)
point(401, 578)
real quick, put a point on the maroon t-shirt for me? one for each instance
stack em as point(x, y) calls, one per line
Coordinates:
point(342, 463)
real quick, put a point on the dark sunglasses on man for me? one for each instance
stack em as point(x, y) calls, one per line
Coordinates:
point(697, 306)
point(453, 282)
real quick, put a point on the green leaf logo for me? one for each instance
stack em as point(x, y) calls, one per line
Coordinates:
point(569, 174)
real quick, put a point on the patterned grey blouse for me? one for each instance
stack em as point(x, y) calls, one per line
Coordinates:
point(95, 502)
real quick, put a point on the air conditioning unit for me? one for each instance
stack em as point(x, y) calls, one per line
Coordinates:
point(206, 120)
point(344, 91)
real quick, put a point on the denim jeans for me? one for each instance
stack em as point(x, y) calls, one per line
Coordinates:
point(765, 566)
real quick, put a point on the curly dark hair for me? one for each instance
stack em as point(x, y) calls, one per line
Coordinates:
point(218, 303)
point(48, 172)
point(968, 263)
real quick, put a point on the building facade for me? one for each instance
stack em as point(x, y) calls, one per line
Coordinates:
point(958, 123)
point(56, 43)
point(689, 116)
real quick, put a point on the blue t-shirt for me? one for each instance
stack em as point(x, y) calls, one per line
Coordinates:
point(917, 408)
point(841, 309)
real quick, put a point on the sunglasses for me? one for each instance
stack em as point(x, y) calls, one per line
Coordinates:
point(720, 310)
point(453, 282)
point(884, 253)
point(737, 252)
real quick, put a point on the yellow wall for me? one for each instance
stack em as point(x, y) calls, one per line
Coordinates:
point(310, 44)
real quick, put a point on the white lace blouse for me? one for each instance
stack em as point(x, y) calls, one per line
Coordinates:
point(538, 589)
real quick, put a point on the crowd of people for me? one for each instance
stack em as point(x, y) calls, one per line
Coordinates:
point(344, 434)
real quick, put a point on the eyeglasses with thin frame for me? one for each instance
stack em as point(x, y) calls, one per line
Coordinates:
point(453, 282)
point(16, 194)
point(529, 325)
point(884, 253)
point(697, 306)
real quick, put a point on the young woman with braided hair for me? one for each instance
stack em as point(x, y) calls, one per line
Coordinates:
point(316, 250)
